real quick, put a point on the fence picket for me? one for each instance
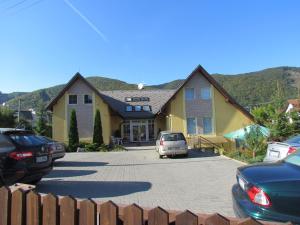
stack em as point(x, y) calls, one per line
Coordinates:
point(249, 221)
point(5, 201)
point(158, 216)
point(216, 219)
point(133, 215)
point(18, 208)
point(88, 213)
point(50, 210)
point(109, 213)
point(68, 209)
point(186, 218)
point(33, 208)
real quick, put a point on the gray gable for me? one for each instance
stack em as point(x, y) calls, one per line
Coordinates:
point(116, 99)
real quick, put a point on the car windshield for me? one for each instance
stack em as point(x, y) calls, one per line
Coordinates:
point(293, 159)
point(295, 139)
point(26, 140)
point(173, 137)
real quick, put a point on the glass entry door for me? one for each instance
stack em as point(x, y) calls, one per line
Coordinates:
point(139, 131)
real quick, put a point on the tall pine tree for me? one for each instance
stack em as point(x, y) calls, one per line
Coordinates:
point(73, 132)
point(97, 136)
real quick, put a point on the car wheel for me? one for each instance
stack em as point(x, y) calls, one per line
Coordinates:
point(160, 156)
point(185, 155)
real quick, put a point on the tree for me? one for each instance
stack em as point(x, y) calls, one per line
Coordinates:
point(97, 136)
point(7, 118)
point(73, 132)
point(41, 126)
point(255, 140)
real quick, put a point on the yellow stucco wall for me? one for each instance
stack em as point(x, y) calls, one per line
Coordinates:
point(115, 122)
point(176, 120)
point(59, 125)
point(227, 117)
point(105, 118)
point(59, 121)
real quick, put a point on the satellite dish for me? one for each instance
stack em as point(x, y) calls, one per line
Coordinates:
point(140, 86)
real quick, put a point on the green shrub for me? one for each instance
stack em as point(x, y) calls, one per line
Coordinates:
point(73, 132)
point(118, 148)
point(97, 136)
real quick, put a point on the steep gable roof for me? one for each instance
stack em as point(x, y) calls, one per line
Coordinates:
point(76, 77)
point(228, 98)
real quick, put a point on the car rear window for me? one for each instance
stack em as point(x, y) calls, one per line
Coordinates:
point(5, 143)
point(173, 137)
point(293, 159)
point(26, 140)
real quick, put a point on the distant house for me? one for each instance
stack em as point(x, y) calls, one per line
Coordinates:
point(293, 105)
point(26, 115)
point(200, 106)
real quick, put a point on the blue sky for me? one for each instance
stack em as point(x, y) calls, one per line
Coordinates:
point(44, 42)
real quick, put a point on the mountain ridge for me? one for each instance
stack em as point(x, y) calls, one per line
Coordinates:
point(249, 88)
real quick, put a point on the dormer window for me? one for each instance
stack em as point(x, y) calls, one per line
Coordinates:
point(146, 108)
point(137, 108)
point(128, 99)
point(129, 108)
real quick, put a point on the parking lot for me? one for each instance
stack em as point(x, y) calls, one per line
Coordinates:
point(201, 183)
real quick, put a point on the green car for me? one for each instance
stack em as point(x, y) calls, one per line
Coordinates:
point(269, 191)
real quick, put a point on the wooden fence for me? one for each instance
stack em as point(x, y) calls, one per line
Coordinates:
point(30, 208)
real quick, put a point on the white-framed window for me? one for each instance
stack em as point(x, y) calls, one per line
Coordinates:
point(205, 93)
point(72, 99)
point(146, 108)
point(88, 99)
point(137, 108)
point(189, 94)
point(129, 108)
point(191, 124)
point(207, 125)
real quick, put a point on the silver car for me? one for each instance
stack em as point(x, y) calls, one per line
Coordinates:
point(279, 150)
point(171, 144)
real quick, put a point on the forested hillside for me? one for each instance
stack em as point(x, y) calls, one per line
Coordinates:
point(248, 89)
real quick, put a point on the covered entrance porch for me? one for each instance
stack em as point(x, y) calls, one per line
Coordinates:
point(139, 130)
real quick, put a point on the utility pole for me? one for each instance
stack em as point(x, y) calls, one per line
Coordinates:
point(19, 109)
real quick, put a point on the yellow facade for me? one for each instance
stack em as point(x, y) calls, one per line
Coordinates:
point(105, 118)
point(175, 118)
point(59, 120)
point(59, 123)
point(227, 117)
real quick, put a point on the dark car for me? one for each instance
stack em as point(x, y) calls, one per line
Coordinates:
point(269, 191)
point(23, 157)
point(58, 149)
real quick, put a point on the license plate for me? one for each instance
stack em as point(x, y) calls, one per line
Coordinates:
point(41, 159)
point(173, 148)
point(242, 183)
point(274, 154)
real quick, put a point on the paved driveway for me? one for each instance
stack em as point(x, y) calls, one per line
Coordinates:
point(200, 183)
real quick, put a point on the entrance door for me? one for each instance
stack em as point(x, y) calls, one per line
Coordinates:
point(135, 132)
point(139, 131)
